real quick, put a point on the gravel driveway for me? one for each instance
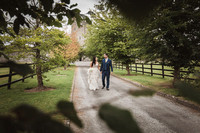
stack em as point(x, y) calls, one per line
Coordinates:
point(153, 114)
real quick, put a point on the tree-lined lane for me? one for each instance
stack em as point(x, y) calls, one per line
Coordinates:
point(153, 114)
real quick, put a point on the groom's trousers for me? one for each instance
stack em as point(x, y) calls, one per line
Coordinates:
point(106, 74)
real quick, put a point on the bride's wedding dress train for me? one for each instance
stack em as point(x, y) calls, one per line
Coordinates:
point(93, 77)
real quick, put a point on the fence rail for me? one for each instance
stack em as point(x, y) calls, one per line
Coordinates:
point(11, 74)
point(151, 69)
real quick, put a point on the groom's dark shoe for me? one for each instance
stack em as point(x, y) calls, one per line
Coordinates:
point(107, 89)
point(103, 87)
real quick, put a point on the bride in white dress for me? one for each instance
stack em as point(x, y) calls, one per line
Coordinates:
point(93, 74)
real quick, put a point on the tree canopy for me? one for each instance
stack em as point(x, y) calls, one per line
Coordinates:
point(68, 53)
point(111, 33)
point(37, 44)
point(172, 36)
point(24, 12)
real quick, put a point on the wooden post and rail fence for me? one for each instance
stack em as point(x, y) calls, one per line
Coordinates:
point(11, 74)
point(152, 69)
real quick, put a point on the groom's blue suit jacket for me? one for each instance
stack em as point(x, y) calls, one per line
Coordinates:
point(106, 66)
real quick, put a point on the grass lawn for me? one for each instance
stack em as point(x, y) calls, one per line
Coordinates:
point(160, 84)
point(46, 101)
point(156, 82)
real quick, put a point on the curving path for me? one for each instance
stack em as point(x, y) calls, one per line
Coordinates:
point(153, 114)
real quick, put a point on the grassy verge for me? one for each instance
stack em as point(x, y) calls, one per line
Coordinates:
point(156, 82)
point(163, 85)
point(46, 101)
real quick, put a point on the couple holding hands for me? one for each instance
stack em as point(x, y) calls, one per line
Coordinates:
point(94, 72)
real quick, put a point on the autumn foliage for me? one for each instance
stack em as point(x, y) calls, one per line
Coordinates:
point(69, 52)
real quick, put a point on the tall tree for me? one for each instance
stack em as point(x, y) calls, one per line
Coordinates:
point(173, 35)
point(111, 33)
point(38, 44)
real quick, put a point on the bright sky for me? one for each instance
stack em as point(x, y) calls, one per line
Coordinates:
point(84, 6)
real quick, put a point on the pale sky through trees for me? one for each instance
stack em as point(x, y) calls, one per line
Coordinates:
point(84, 6)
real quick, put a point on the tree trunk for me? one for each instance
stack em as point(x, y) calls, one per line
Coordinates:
point(128, 69)
point(38, 60)
point(39, 70)
point(65, 66)
point(176, 75)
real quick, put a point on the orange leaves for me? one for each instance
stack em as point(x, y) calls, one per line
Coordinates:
point(70, 52)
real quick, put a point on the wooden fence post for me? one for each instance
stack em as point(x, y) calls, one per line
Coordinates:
point(131, 67)
point(136, 67)
point(163, 72)
point(33, 66)
point(142, 68)
point(151, 69)
point(33, 69)
point(9, 78)
point(23, 78)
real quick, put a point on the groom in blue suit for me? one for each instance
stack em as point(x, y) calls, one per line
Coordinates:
point(106, 65)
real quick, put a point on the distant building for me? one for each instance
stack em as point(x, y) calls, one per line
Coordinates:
point(79, 32)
